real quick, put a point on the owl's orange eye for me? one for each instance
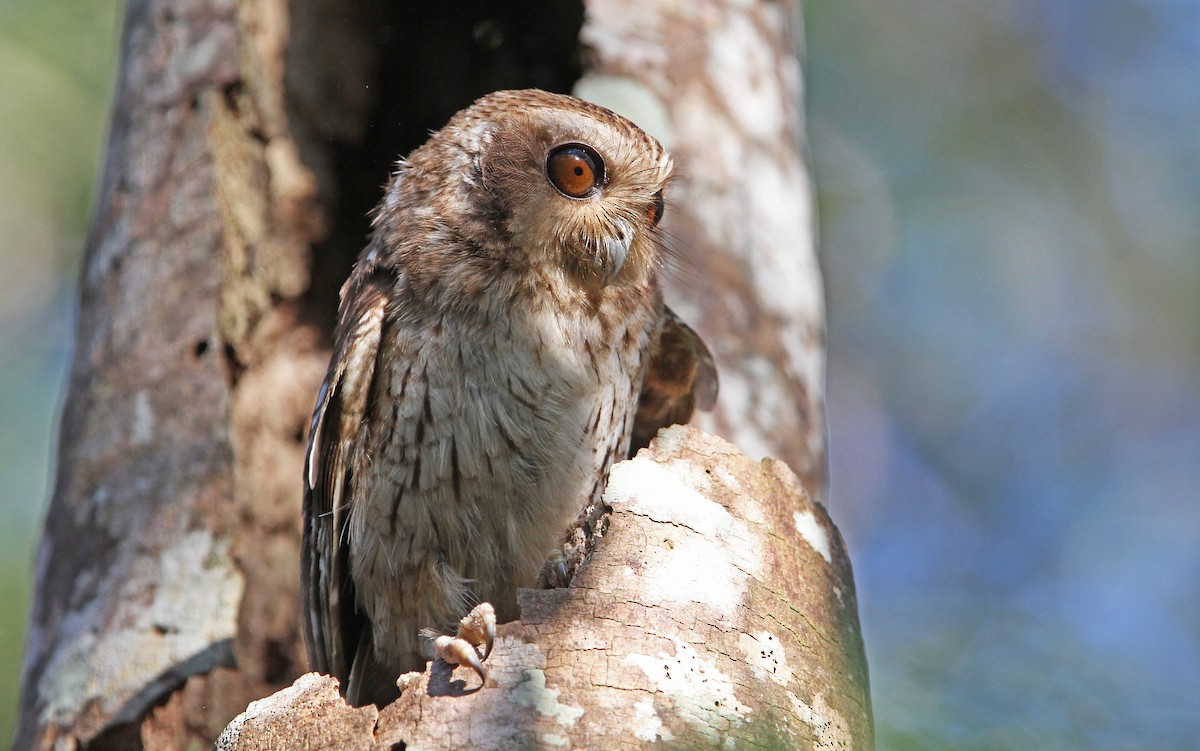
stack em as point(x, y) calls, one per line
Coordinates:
point(575, 170)
point(657, 212)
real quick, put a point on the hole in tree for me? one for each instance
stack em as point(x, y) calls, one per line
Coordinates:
point(368, 82)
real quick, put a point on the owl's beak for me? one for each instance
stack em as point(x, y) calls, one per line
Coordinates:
point(609, 262)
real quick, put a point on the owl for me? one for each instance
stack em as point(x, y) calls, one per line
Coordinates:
point(500, 342)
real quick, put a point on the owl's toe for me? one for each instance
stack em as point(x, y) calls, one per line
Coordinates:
point(477, 629)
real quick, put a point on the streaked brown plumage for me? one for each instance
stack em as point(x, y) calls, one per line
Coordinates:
point(494, 340)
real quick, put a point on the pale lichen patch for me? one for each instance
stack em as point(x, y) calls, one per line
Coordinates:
point(647, 725)
point(729, 480)
point(831, 729)
point(764, 653)
point(533, 693)
point(813, 533)
point(757, 388)
point(743, 73)
point(788, 282)
point(649, 489)
point(141, 430)
point(704, 696)
point(185, 627)
point(712, 554)
point(671, 441)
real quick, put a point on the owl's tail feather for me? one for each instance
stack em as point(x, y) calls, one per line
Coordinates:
point(370, 681)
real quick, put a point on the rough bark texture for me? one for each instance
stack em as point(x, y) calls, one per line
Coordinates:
point(717, 612)
point(249, 140)
point(166, 588)
point(719, 83)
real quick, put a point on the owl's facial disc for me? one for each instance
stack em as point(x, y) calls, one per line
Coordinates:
point(579, 191)
point(578, 172)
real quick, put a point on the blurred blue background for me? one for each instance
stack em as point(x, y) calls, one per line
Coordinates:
point(1010, 220)
point(1010, 227)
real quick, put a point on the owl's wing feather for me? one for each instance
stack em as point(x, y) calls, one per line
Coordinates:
point(681, 377)
point(333, 629)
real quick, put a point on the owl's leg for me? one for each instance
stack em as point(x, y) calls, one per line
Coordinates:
point(563, 562)
point(555, 573)
point(478, 628)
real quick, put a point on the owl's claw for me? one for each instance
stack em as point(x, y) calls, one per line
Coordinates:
point(477, 628)
point(456, 651)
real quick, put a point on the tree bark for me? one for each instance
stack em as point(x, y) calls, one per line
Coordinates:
point(718, 611)
point(248, 141)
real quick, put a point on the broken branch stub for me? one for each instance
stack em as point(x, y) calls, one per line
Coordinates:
point(717, 611)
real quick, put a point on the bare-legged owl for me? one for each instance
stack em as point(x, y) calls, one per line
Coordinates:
point(494, 343)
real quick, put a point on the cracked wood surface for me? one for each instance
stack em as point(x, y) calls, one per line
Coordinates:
point(717, 611)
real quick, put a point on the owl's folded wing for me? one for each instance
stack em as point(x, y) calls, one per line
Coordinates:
point(333, 629)
point(681, 377)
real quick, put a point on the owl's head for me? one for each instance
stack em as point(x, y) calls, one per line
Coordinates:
point(577, 185)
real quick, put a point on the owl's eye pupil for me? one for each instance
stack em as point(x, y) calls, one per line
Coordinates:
point(575, 170)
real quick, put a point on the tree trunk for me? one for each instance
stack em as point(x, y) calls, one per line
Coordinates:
point(249, 139)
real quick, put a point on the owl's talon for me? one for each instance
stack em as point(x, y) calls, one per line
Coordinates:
point(477, 628)
point(555, 573)
point(457, 651)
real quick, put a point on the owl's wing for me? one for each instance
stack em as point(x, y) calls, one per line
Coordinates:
point(681, 377)
point(333, 629)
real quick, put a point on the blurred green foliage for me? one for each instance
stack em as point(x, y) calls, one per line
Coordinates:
point(1008, 195)
point(57, 60)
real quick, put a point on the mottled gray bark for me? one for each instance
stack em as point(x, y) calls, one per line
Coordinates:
point(249, 139)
